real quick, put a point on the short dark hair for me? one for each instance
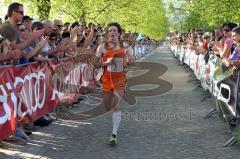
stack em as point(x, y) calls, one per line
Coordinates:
point(66, 24)
point(116, 25)
point(13, 7)
point(37, 25)
point(66, 34)
point(220, 28)
point(236, 30)
point(230, 25)
point(53, 34)
point(74, 24)
point(90, 24)
point(26, 17)
point(6, 17)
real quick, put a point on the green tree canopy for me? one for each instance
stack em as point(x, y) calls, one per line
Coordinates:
point(205, 14)
point(144, 16)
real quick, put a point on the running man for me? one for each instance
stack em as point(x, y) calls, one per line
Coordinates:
point(112, 57)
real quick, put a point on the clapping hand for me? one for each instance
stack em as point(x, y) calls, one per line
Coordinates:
point(15, 54)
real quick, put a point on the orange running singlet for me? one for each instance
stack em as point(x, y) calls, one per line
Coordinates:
point(113, 77)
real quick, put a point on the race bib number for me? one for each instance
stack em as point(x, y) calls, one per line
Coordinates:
point(117, 67)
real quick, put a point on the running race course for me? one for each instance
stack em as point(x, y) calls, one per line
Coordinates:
point(168, 125)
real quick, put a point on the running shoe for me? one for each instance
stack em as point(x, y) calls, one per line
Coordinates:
point(113, 140)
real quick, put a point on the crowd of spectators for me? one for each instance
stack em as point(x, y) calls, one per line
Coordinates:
point(24, 40)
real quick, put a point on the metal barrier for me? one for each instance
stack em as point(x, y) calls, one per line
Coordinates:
point(220, 82)
point(140, 51)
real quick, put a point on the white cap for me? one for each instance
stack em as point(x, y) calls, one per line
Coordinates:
point(207, 34)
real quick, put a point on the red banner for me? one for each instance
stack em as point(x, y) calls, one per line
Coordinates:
point(29, 92)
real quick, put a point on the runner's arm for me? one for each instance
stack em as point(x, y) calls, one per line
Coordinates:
point(97, 60)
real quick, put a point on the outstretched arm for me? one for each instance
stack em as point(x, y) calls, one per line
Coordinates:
point(97, 60)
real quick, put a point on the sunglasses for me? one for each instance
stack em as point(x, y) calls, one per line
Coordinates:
point(28, 20)
point(20, 12)
point(22, 30)
point(60, 26)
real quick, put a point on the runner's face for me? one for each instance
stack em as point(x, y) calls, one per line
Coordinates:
point(113, 34)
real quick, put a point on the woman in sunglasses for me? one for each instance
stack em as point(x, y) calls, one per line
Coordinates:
point(29, 51)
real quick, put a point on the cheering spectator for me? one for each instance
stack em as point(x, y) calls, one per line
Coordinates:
point(79, 40)
point(50, 48)
point(9, 28)
point(27, 22)
point(54, 50)
point(47, 30)
point(74, 24)
point(66, 27)
point(82, 25)
point(29, 52)
point(6, 53)
point(57, 27)
point(234, 58)
point(227, 30)
point(204, 47)
point(218, 45)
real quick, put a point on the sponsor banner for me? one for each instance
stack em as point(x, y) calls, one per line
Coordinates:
point(31, 91)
